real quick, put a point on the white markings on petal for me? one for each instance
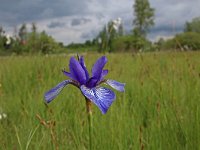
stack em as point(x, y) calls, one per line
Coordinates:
point(116, 85)
point(51, 94)
point(100, 96)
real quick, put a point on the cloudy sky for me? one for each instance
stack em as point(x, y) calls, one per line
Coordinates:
point(78, 20)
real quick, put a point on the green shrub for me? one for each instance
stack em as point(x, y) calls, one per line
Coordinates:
point(131, 43)
point(184, 41)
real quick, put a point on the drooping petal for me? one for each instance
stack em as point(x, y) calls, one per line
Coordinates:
point(98, 67)
point(100, 96)
point(51, 94)
point(81, 61)
point(116, 85)
point(77, 71)
point(103, 74)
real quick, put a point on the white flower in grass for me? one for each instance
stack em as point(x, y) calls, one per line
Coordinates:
point(4, 115)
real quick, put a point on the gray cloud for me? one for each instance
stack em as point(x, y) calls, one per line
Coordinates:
point(79, 21)
point(56, 24)
point(89, 35)
point(26, 11)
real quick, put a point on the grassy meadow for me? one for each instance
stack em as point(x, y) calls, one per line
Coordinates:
point(159, 109)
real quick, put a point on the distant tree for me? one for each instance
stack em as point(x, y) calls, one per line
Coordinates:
point(1, 31)
point(46, 43)
point(103, 40)
point(15, 33)
point(183, 41)
point(159, 44)
point(1, 37)
point(5, 39)
point(160, 41)
point(34, 28)
point(23, 33)
point(112, 30)
point(112, 34)
point(94, 41)
point(33, 39)
point(121, 30)
point(144, 17)
point(61, 44)
point(193, 26)
point(88, 43)
point(24, 41)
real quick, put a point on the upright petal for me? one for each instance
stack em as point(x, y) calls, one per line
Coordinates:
point(103, 74)
point(100, 96)
point(77, 71)
point(98, 67)
point(68, 75)
point(51, 94)
point(81, 61)
point(116, 85)
point(91, 82)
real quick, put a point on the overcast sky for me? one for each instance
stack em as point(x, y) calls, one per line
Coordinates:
point(78, 20)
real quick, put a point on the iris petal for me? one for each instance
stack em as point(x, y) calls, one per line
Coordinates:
point(100, 96)
point(103, 74)
point(98, 67)
point(51, 94)
point(77, 71)
point(68, 74)
point(116, 85)
point(81, 61)
point(91, 82)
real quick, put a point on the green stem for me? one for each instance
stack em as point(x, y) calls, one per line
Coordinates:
point(89, 113)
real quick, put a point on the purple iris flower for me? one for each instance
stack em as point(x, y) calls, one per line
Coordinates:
point(102, 97)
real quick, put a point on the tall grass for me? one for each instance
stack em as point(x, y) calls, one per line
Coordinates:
point(159, 109)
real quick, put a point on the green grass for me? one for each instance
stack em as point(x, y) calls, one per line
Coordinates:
point(159, 109)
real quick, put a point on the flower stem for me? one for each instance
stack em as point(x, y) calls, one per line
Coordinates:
point(89, 113)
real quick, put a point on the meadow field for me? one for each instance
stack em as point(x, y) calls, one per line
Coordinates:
point(158, 110)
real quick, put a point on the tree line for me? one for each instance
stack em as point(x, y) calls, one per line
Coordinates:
point(111, 38)
point(25, 41)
